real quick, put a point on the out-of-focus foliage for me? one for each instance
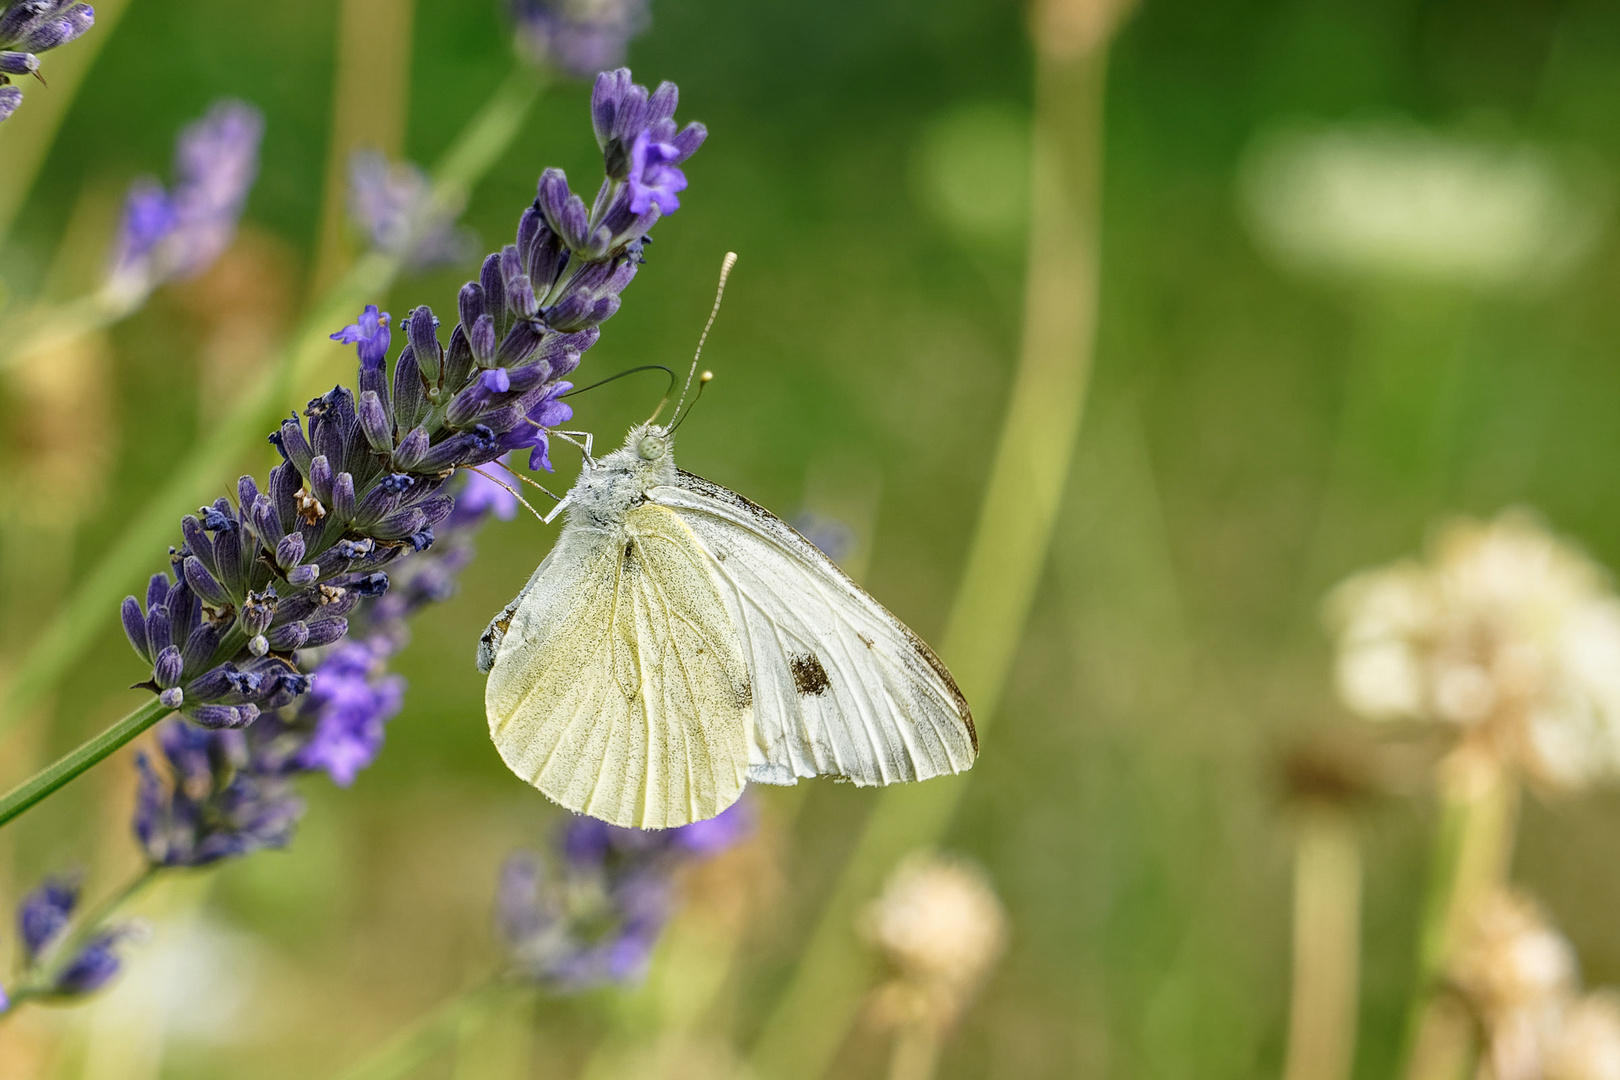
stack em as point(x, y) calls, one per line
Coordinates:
point(1254, 434)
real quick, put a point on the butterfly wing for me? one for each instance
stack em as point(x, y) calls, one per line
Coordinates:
point(619, 687)
point(841, 686)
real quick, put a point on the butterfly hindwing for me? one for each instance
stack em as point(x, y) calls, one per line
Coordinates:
point(619, 687)
point(841, 687)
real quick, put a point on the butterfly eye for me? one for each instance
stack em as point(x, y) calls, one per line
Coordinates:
point(651, 448)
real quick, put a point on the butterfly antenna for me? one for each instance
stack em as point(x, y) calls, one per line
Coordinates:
point(719, 294)
point(509, 489)
point(631, 371)
point(703, 380)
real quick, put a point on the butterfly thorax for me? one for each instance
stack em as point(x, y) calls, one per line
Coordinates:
point(608, 489)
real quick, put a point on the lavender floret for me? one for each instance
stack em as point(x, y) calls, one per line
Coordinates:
point(393, 205)
point(577, 37)
point(597, 917)
point(167, 235)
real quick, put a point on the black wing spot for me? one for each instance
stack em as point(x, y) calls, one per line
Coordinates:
point(809, 677)
point(629, 556)
point(865, 640)
point(745, 693)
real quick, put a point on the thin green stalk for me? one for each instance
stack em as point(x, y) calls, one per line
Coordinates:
point(1479, 812)
point(435, 1032)
point(37, 983)
point(1014, 531)
point(88, 753)
point(84, 617)
point(25, 139)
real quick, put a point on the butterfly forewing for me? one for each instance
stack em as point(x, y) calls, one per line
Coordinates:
point(841, 687)
point(619, 688)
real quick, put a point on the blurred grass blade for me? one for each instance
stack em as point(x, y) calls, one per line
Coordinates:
point(1327, 941)
point(433, 1034)
point(92, 609)
point(369, 109)
point(1008, 554)
point(25, 139)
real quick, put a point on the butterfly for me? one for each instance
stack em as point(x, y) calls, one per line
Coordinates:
point(679, 641)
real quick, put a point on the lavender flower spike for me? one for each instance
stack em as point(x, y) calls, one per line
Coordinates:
point(600, 918)
point(30, 27)
point(577, 37)
point(42, 922)
point(394, 206)
point(175, 234)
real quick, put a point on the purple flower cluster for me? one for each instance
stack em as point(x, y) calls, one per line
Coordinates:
point(577, 37)
point(394, 207)
point(167, 235)
point(363, 478)
point(229, 792)
point(597, 920)
point(28, 28)
point(43, 921)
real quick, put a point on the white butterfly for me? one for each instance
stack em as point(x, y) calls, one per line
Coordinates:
point(680, 640)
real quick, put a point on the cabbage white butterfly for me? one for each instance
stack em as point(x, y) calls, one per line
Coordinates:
point(680, 640)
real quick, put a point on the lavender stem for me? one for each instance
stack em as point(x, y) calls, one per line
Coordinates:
point(55, 775)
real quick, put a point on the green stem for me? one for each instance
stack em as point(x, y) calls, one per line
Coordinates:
point(803, 1031)
point(83, 619)
point(1327, 942)
point(433, 1033)
point(1479, 811)
point(88, 753)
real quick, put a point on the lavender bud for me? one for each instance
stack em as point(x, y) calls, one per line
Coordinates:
point(135, 627)
point(223, 716)
point(203, 583)
point(421, 329)
point(290, 551)
point(320, 478)
point(489, 279)
point(374, 423)
point(325, 632)
point(200, 646)
point(258, 645)
point(300, 576)
point(412, 448)
point(470, 303)
point(168, 668)
point(172, 698)
point(288, 636)
point(343, 496)
point(18, 63)
point(483, 340)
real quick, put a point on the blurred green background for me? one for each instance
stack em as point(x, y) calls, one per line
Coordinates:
point(1255, 432)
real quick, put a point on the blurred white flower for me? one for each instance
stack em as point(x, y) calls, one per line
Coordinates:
point(1504, 631)
point(1519, 977)
point(1588, 1045)
point(941, 928)
point(1395, 201)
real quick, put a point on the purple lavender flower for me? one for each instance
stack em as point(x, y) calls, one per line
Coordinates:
point(351, 701)
point(654, 179)
point(371, 333)
point(169, 235)
point(395, 208)
point(577, 37)
point(282, 606)
point(43, 920)
point(30, 27)
point(599, 920)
